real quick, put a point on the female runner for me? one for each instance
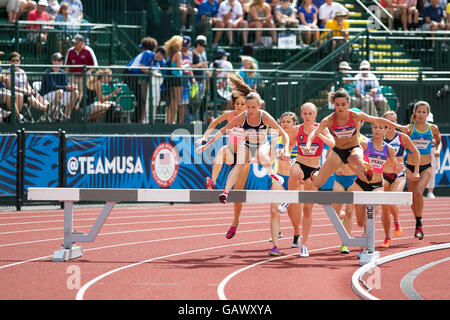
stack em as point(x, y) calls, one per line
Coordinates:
point(288, 121)
point(421, 134)
point(228, 153)
point(377, 153)
point(343, 126)
point(306, 163)
point(255, 123)
point(393, 182)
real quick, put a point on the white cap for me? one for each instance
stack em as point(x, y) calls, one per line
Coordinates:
point(201, 37)
point(344, 65)
point(43, 3)
point(364, 65)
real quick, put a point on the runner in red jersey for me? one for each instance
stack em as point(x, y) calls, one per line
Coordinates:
point(306, 162)
point(343, 126)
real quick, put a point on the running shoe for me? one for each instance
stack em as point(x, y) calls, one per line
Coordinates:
point(231, 232)
point(344, 249)
point(209, 183)
point(368, 171)
point(283, 207)
point(223, 197)
point(296, 242)
point(280, 235)
point(386, 243)
point(397, 229)
point(304, 251)
point(418, 233)
point(275, 252)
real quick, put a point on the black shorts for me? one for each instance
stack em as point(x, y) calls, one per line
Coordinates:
point(421, 168)
point(307, 170)
point(368, 186)
point(344, 153)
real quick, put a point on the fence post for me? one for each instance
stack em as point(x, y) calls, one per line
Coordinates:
point(151, 107)
point(16, 36)
point(13, 93)
point(420, 84)
point(367, 44)
point(62, 161)
point(19, 168)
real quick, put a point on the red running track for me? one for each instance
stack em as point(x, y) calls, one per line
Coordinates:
point(180, 253)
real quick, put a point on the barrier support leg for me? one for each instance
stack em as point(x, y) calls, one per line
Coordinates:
point(370, 253)
point(69, 250)
point(343, 234)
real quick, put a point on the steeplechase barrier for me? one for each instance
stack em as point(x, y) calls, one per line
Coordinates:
point(69, 196)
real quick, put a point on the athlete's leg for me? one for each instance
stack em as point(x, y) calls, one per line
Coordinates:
point(330, 165)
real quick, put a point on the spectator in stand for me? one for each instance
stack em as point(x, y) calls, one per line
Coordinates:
point(15, 8)
point(367, 86)
point(5, 97)
point(52, 9)
point(208, 9)
point(247, 50)
point(328, 10)
point(97, 103)
point(75, 10)
point(38, 15)
point(248, 74)
point(307, 15)
point(199, 61)
point(187, 80)
point(57, 89)
point(285, 15)
point(260, 16)
point(412, 14)
point(339, 27)
point(224, 66)
point(231, 15)
point(22, 86)
point(347, 82)
point(396, 9)
point(83, 55)
point(434, 19)
point(172, 81)
point(138, 65)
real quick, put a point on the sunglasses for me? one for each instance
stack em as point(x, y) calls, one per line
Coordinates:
point(15, 60)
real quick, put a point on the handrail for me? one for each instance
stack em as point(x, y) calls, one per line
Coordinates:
point(374, 16)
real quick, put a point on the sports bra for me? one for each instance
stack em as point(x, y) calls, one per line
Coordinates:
point(397, 144)
point(255, 134)
point(422, 140)
point(316, 145)
point(345, 131)
point(377, 159)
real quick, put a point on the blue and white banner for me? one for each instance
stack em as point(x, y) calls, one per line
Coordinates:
point(134, 162)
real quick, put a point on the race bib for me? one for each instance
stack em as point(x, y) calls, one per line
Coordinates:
point(421, 143)
point(344, 132)
point(377, 162)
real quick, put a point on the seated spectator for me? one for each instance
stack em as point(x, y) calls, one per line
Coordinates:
point(249, 74)
point(247, 50)
point(21, 85)
point(12, 8)
point(208, 9)
point(396, 9)
point(57, 89)
point(260, 16)
point(307, 15)
point(75, 10)
point(434, 18)
point(367, 88)
point(187, 11)
point(52, 9)
point(97, 103)
point(231, 15)
point(285, 15)
point(412, 14)
point(140, 64)
point(38, 14)
point(348, 83)
point(5, 96)
point(328, 10)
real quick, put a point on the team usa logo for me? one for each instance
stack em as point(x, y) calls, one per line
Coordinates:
point(164, 165)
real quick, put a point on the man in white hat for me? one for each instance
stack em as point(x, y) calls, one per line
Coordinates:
point(368, 90)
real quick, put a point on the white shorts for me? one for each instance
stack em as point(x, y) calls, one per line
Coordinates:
point(65, 99)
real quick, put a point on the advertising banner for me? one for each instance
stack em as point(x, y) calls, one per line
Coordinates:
point(8, 162)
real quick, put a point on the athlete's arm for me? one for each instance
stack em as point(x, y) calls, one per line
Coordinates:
point(326, 137)
point(316, 131)
point(397, 166)
point(224, 117)
point(437, 138)
point(408, 144)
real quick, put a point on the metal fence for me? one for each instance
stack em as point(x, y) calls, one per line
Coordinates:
point(113, 94)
